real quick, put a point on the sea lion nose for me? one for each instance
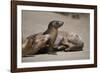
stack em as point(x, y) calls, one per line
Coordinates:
point(61, 23)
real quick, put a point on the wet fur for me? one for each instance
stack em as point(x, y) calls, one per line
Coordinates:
point(33, 44)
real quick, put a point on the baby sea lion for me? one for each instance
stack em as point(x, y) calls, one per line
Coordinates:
point(65, 41)
point(33, 44)
point(68, 41)
point(52, 30)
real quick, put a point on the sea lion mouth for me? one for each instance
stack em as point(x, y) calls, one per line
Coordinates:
point(60, 23)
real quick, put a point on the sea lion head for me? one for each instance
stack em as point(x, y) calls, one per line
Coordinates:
point(55, 24)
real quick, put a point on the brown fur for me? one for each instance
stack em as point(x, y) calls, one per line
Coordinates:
point(33, 44)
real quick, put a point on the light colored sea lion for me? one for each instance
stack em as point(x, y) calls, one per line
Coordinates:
point(65, 41)
point(61, 40)
point(68, 41)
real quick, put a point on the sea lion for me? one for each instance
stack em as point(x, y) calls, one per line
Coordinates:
point(65, 41)
point(33, 44)
point(68, 41)
point(52, 30)
point(52, 40)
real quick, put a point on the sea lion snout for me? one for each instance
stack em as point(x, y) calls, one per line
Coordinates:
point(60, 23)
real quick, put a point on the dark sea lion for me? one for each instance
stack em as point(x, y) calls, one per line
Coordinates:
point(52, 30)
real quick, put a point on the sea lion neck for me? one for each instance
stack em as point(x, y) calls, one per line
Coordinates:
point(50, 30)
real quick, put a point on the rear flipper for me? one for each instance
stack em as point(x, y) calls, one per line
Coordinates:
point(78, 47)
